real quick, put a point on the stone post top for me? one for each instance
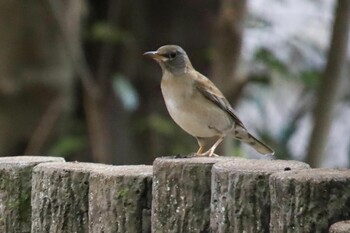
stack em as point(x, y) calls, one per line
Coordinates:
point(255, 165)
point(127, 170)
point(96, 168)
point(340, 227)
point(316, 174)
point(26, 159)
point(71, 166)
point(193, 159)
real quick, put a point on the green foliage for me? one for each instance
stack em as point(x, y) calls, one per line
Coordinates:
point(310, 78)
point(172, 138)
point(236, 150)
point(105, 32)
point(266, 57)
point(161, 124)
point(68, 145)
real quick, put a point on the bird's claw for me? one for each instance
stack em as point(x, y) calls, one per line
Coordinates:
point(209, 153)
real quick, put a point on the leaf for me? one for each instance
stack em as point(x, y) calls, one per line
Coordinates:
point(161, 125)
point(105, 32)
point(310, 78)
point(265, 56)
point(68, 145)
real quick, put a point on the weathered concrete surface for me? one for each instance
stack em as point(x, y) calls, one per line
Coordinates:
point(181, 194)
point(60, 197)
point(15, 191)
point(340, 227)
point(120, 199)
point(240, 194)
point(309, 200)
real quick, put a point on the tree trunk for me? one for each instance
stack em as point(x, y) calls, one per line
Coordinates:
point(227, 43)
point(227, 47)
point(35, 75)
point(328, 90)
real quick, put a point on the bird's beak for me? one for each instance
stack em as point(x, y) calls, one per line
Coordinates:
point(153, 54)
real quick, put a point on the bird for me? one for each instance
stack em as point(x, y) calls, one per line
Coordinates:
point(197, 105)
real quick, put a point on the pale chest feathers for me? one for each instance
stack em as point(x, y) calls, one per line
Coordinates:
point(190, 110)
point(176, 91)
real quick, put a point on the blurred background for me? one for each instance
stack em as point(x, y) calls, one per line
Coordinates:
point(74, 83)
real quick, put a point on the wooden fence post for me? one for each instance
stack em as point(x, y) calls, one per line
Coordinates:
point(309, 200)
point(120, 199)
point(181, 194)
point(240, 194)
point(60, 197)
point(15, 191)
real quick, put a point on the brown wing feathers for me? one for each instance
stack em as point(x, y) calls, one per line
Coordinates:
point(215, 95)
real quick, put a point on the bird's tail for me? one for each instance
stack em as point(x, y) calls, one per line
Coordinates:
point(243, 135)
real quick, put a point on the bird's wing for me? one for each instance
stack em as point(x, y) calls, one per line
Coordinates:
point(208, 89)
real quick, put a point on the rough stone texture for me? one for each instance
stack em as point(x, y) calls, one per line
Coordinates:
point(120, 199)
point(181, 194)
point(60, 197)
point(309, 200)
point(240, 194)
point(15, 191)
point(340, 227)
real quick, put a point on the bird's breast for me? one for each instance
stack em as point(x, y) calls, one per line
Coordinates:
point(190, 110)
point(176, 93)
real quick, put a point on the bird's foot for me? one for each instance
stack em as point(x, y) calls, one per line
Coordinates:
point(209, 153)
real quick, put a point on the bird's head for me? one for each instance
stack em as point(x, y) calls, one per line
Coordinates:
point(171, 58)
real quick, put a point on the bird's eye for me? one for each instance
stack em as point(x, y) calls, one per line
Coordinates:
point(172, 55)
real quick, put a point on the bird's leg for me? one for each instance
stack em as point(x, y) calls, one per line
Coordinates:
point(211, 151)
point(200, 150)
point(201, 144)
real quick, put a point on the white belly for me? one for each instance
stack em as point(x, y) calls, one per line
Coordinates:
point(192, 111)
point(189, 120)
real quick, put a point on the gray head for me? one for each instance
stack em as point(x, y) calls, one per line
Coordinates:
point(171, 58)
